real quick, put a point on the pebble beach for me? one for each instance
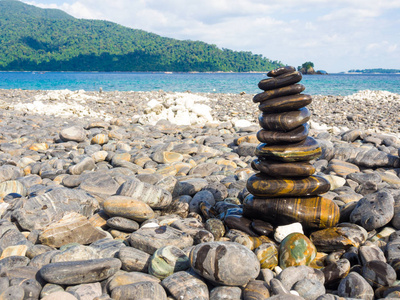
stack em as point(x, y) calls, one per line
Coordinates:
point(139, 195)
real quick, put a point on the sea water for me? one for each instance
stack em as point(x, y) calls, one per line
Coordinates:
point(332, 84)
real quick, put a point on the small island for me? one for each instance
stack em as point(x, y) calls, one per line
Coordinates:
point(308, 69)
point(375, 71)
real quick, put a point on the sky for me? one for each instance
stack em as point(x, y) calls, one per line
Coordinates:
point(336, 35)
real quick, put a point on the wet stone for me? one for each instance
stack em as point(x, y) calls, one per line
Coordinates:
point(284, 121)
point(150, 239)
point(77, 272)
point(291, 210)
point(302, 151)
point(283, 169)
point(286, 103)
point(265, 186)
point(279, 81)
point(280, 92)
point(221, 262)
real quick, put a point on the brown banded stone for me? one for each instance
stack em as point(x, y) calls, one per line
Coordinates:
point(303, 151)
point(265, 186)
point(284, 121)
point(285, 103)
point(312, 212)
point(281, 71)
point(280, 137)
point(280, 81)
point(281, 169)
point(283, 91)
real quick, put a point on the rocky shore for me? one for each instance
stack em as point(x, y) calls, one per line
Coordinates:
point(138, 195)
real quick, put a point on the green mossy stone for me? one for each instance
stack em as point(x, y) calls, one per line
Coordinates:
point(296, 250)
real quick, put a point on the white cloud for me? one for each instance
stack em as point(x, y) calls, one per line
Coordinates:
point(336, 35)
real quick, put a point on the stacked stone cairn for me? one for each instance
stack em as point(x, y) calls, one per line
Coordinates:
point(285, 190)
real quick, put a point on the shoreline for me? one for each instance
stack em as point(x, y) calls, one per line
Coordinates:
point(365, 110)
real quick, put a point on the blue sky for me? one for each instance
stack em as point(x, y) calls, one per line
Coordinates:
point(336, 35)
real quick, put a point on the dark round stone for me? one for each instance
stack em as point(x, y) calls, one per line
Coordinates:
point(264, 186)
point(281, 137)
point(241, 223)
point(284, 79)
point(262, 228)
point(281, 169)
point(304, 151)
point(281, 71)
point(284, 121)
point(312, 212)
point(286, 103)
point(283, 91)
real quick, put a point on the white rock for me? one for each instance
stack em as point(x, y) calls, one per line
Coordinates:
point(283, 231)
point(242, 123)
point(335, 181)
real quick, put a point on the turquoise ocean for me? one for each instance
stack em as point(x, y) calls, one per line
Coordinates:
point(332, 84)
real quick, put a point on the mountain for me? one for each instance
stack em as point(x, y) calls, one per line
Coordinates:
point(38, 39)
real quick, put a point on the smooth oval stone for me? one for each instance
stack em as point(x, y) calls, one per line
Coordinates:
point(290, 276)
point(216, 227)
point(286, 103)
point(12, 186)
point(226, 293)
point(184, 285)
point(279, 169)
point(371, 252)
point(336, 271)
point(14, 292)
point(150, 239)
point(12, 262)
point(168, 260)
point(261, 227)
point(374, 210)
point(311, 212)
point(152, 195)
point(123, 224)
point(139, 291)
point(339, 237)
point(222, 263)
point(295, 250)
point(50, 288)
point(240, 223)
point(77, 272)
point(304, 151)
point(134, 259)
point(195, 229)
point(128, 207)
point(281, 71)
point(278, 81)
point(284, 121)
point(256, 290)
point(125, 278)
point(73, 133)
point(295, 135)
point(280, 92)
point(355, 286)
point(265, 186)
point(378, 273)
point(267, 254)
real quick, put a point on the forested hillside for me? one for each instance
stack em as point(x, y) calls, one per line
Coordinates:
point(38, 39)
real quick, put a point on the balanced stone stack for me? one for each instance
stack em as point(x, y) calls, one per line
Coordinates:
point(285, 189)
